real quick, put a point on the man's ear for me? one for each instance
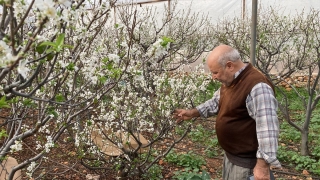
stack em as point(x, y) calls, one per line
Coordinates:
point(230, 65)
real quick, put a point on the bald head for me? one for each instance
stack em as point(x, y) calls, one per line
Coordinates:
point(224, 53)
point(223, 62)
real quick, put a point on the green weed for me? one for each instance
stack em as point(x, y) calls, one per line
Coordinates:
point(190, 160)
point(298, 161)
point(154, 173)
point(182, 175)
point(3, 133)
point(200, 134)
point(289, 133)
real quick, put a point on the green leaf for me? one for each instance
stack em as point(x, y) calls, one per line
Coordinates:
point(59, 98)
point(48, 43)
point(105, 60)
point(3, 133)
point(187, 169)
point(55, 46)
point(3, 102)
point(103, 79)
point(41, 48)
point(195, 177)
point(110, 66)
point(51, 110)
point(95, 100)
point(116, 73)
point(89, 123)
point(205, 175)
point(48, 51)
point(70, 66)
point(28, 103)
point(48, 46)
point(165, 41)
point(14, 100)
point(50, 57)
point(60, 39)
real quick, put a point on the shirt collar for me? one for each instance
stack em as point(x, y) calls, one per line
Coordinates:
point(238, 72)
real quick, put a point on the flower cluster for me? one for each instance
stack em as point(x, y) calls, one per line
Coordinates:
point(20, 7)
point(46, 8)
point(16, 147)
point(6, 56)
point(49, 144)
point(31, 168)
point(158, 49)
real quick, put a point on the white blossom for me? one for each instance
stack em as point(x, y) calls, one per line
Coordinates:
point(46, 7)
point(5, 54)
point(49, 144)
point(16, 147)
point(77, 140)
point(66, 3)
point(31, 168)
point(39, 146)
point(157, 49)
point(63, 64)
point(22, 69)
point(20, 7)
point(43, 128)
point(41, 38)
point(113, 57)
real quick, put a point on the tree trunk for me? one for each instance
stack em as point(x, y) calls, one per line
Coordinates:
point(306, 124)
point(304, 143)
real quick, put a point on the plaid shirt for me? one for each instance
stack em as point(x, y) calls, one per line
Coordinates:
point(262, 107)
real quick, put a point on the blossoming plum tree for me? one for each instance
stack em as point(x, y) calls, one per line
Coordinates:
point(74, 67)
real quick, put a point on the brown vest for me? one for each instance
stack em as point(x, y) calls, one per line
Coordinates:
point(236, 130)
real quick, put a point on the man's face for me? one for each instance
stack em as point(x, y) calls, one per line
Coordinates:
point(221, 73)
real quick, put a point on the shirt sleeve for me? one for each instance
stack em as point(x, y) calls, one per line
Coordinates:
point(262, 107)
point(210, 107)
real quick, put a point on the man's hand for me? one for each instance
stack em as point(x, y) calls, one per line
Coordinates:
point(185, 114)
point(262, 170)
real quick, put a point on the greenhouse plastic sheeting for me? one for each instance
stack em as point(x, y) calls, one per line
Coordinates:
point(221, 9)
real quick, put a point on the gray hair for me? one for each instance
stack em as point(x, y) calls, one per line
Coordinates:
point(231, 55)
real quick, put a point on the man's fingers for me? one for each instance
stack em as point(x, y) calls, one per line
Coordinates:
point(176, 115)
point(179, 115)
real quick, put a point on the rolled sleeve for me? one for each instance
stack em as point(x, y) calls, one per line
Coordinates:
point(210, 107)
point(262, 106)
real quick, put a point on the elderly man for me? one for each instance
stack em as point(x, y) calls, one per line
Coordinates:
point(247, 126)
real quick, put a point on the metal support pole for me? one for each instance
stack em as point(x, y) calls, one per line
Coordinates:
point(253, 32)
point(243, 8)
point(169, 6)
